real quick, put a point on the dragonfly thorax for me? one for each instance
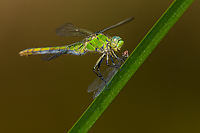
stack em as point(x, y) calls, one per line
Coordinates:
point(116, 43)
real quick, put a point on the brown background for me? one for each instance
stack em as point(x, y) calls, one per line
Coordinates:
point(36, 96)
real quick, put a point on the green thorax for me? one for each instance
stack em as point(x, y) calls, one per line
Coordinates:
point(97, 42)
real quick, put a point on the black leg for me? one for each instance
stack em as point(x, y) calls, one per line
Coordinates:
point(98, 64)
point(116, 66)
point(112, 60)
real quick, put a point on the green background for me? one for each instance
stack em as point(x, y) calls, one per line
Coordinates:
point(37, 96)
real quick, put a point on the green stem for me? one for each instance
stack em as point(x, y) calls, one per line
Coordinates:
point(135, 60)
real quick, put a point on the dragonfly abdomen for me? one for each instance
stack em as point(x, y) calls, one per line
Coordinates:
point(40, 50)
point(77, 49)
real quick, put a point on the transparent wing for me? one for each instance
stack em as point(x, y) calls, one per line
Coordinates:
point(69, 29)
point(110, 74)
point(97, 85)
point(48, 57)
point(116, 25)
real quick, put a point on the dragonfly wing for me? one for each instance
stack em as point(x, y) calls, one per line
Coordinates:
point(99, 90)
point(96, 84)
point(69, 29)
point(111, 72)
point(116, 25)
point(48, 57)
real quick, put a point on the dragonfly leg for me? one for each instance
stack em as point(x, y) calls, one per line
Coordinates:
point(116, 66)
point(112, 60)
point(97, 65)
point(116, 57)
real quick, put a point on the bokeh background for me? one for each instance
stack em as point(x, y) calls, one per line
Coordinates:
point(36, 96)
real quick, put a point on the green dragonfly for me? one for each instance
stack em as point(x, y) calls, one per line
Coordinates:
point(93, 42)
point(97, 85)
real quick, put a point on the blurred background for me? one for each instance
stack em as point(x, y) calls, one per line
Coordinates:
point(36, 96)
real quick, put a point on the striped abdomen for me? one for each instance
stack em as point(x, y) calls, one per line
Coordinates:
point(76, 48)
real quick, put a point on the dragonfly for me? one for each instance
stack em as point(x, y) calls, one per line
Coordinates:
point(98, 85)
point(92, 42)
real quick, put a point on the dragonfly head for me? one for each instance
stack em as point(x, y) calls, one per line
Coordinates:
point(116, 43)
